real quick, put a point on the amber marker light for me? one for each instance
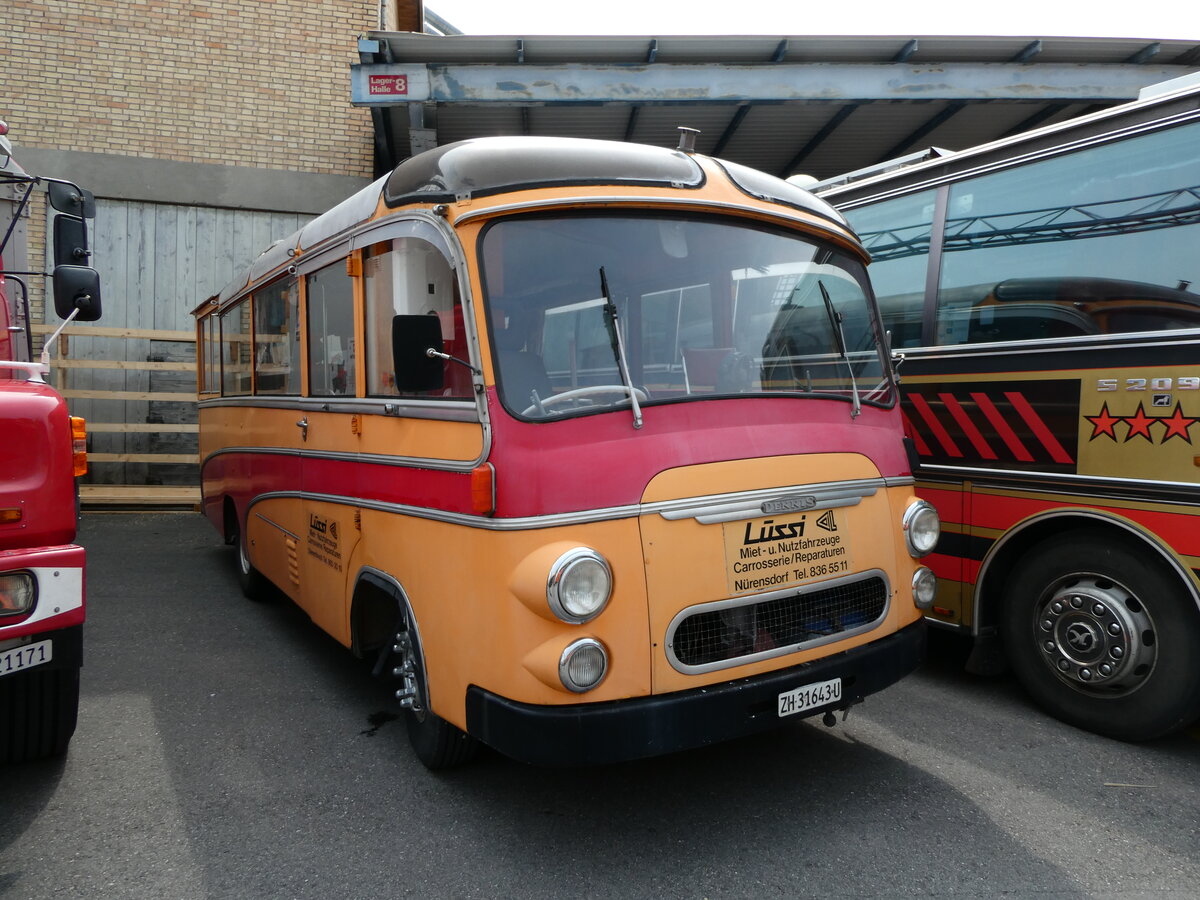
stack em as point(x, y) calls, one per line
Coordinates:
point(10, 516)
point(79, 444)
point(483, 490)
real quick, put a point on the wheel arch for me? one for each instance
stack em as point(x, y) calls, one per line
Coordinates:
point(1025, 535)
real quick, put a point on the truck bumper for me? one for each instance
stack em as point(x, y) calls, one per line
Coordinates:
point(619, 730)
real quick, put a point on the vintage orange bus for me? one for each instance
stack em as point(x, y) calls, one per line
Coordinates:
point(1042, 290)
point(593, 447)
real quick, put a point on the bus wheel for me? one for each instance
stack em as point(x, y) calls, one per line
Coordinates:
point(1103, 637)
point(437, 743)
point(254, 584)
point(38, 710)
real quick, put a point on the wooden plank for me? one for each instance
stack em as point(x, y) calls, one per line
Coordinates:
point(101, 495)
point(140, 396)
point(122, 364)
point(153, 334)
point(144, 458)
point(153, 428)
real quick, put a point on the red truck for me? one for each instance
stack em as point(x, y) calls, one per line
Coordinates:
point(42, 451)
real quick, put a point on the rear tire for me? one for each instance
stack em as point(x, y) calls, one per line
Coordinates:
point(38, 712)
point(254, 584)
point(437, 743)
point(1104, 636)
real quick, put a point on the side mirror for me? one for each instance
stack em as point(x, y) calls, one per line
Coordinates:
point(77, 288)
point(415, 371)
point(72, 199)
point(70, 241)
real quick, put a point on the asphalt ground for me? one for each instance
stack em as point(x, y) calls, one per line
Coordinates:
point(227, 749)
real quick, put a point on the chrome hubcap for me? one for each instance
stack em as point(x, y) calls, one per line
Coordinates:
point(1095, 635)
point(409, 693)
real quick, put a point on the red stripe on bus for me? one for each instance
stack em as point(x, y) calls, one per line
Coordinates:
point(1034, 421)
point(918, 441)
point(964, 422)
point(939, 432)
point(1002, 428)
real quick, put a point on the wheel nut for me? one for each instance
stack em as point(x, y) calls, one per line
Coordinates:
point(1049, 646)
point(1114, 629)
point(1064, 666)
point(1105, 669)
point(1077, 602)
point(1085, 674)
point(1116, 652)
point(1057, 606)
point(1098, 609)
point(1047, 625)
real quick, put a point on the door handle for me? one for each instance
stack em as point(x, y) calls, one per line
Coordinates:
point(303, 426)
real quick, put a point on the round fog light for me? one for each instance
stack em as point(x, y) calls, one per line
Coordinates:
point(922, 527)
point(583, 665)
point(924, 587)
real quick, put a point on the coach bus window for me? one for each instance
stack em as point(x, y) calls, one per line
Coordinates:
point(410, 276)
point(897, 234)
point(211, 358)
point(276, 338)
point(235, 360)
point(1096, 241)
point(330, 331)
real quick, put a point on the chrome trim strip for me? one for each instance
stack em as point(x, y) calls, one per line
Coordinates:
point(276, 525)
point(748, 505)
point(1051, 482)
point(755, 599)
point(555, 520)
point(399, 408)
point(375, 459)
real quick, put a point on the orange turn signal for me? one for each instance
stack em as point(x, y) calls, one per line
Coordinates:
point(79, 444)
point(10, 516)
point(483, 490)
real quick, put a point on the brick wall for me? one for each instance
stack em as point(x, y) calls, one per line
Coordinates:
point(259, 83)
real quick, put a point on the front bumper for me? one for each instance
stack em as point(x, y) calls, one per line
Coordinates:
point(619, 730)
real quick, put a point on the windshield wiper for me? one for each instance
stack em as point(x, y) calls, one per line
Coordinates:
point(835, 321)
point(618, 347)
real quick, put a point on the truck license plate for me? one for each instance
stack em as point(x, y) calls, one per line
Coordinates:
point(810, 696)
point(18, 659)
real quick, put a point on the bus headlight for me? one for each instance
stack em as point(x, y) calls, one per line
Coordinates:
point(922, 527)
point(17, 593)
point(579, 586)
point(583, 665)
point(924, 587)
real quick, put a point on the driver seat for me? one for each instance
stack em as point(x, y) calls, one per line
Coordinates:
point(521, 372)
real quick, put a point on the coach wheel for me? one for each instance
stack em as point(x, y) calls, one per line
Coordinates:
point(255, 585)
point(437, 743)
point(1104, 637)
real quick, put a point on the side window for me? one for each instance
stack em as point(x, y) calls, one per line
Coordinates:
point(236, 350)
point(897, 233)
point(277, 338)
point(1098, 241)
point(410, 276)
point(210, 339)
point(331, 352)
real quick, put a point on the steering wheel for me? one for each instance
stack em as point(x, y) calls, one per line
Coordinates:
point(586, 391)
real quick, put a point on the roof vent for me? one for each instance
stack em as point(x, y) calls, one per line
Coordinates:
point(687, 139)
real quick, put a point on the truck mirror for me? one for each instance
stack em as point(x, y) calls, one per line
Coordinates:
point(77, 288)
point(72, 199)
point(414, 369)
point(70, 241)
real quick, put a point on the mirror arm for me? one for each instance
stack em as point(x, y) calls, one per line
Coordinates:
point(54, 337)
point(436, 354)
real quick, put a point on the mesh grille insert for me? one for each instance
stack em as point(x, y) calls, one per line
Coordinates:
point(736, 631)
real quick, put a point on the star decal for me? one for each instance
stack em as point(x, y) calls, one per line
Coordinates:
point(1104, 423)
point(1139, 425)
point(1177, 424)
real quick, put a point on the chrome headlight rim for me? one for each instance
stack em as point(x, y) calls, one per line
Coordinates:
point(919, 510)
point(564, 664)
point(561, 570)
point(924, 588)
point(25, 586)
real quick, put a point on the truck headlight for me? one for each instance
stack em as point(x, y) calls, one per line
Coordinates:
point(924, 587)
point(579, 585)
point(583, 665)
point(18, 590)
point(922, 527)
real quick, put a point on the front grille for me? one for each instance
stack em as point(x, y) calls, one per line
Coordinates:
point(779, 625)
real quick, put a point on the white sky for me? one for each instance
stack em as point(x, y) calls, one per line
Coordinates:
point(1026, 18)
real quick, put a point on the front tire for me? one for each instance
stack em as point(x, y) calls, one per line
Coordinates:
point(38, 712)
point(254, 584)
point(1104, 637)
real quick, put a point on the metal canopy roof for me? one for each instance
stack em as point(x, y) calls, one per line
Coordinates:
point(784, 104)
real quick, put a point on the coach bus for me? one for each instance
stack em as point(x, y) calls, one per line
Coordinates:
point(1043, 293)
point(594, 448)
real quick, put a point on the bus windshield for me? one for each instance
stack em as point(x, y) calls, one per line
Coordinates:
point(703, 307)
